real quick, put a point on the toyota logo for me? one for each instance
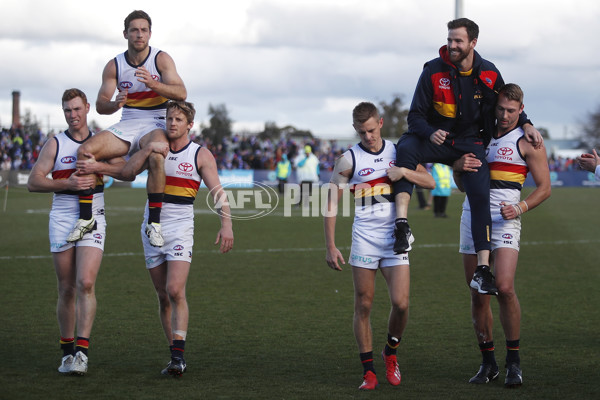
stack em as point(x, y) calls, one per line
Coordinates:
point(185, 167)
point(505, 151)
point(445, 82)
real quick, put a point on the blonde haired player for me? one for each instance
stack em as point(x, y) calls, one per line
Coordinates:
point(186, 165)
point(510, 158)
point(364, 168)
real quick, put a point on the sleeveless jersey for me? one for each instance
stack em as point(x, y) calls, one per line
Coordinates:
point(508, 170)
point(182, 183)
point(372, 189)
point(141, 102)
point(64, 166)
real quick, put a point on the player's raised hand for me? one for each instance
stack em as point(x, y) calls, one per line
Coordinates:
point(144, 76)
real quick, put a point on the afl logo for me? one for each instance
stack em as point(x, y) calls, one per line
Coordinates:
point(445, 82)
point(488, 81)
point(97, 236)
point(126, 85)
point(185, 167)
point(68, 160)
point(392, 163)
point(505, 151)
point(507, 236)
point(365, 171)
point(178, 247)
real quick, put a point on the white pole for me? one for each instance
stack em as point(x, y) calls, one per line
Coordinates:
point(458, 13)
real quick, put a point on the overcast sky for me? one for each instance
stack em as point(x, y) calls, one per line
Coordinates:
point(301, 62)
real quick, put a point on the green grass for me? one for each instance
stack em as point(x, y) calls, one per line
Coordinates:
point(271, 320)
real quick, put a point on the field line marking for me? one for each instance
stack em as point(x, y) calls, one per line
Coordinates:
point(306, 249)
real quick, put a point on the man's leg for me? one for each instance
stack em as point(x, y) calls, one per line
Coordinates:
point(505, 265)
point(159, 280)
point(64, 266)
point(364, 290)
point(398, 282)
point(477, 188)
point(155, 187)
point(102, 146)
point(177, 274)
point(421, 197)
point(408, 155)
point(88, 261)
point(481, 314)
point(410, 151)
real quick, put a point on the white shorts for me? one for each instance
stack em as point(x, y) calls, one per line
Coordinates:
point(373, 253)
point(179, 243)
point(62, 223)
point(132, 130)
point(505, 233)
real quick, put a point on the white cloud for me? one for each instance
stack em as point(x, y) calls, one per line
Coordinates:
point(301, 62)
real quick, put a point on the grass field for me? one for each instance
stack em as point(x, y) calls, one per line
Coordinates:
point(271, 321)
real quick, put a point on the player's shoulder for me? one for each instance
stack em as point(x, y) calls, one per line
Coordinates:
point(204, 155)
point(163, 58)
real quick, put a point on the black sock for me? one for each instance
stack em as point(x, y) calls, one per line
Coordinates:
point(367, 361)
point(67, 345)
point(392, 345)
point(487, 352)
point(177, 349)
point(401, 221)
point(82, 345)
point(512, 351)
point(154, 207)
point(85, 203)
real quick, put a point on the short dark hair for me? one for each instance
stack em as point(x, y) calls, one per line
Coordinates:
point(137, 14)
point(185, 107)
point(472, 27)
point(512, 91)
point(363, 111)
point(70, 94)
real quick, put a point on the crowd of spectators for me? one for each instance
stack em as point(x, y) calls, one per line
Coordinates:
point(560, 164)
point(250, 152)
point(19, 151)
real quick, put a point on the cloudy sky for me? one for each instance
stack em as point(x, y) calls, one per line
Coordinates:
point(301, 62)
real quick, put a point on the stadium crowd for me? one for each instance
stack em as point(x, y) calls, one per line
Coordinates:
point(19, 151)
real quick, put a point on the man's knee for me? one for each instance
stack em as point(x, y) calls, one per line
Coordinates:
point(363, 303)
point(400, 305)
point(155, 160)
